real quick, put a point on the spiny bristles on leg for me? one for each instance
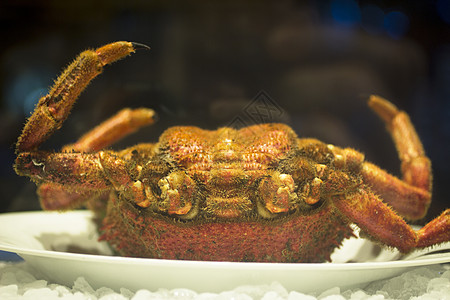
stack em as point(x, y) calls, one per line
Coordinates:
point(53, 108)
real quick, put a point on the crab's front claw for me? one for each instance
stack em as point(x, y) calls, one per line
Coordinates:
point(29, 165)
point(70, 169)
point(53, 108)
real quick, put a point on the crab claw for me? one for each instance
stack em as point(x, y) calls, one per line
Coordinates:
point(53, 108)
point(63, 168)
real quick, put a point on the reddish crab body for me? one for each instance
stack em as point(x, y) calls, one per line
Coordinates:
point(260, 193)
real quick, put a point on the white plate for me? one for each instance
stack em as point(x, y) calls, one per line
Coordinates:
point(44, 240)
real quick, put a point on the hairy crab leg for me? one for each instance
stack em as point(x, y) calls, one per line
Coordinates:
point(410, 201)
point(68, 169)
point(416, 166)
point(78, 172)
point(386, 226)
point(53, 108)
point(60, 177)
point(55, 196)
point(410, 197)
point(115, 128)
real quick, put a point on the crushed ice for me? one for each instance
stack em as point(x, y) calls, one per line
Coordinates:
point(19, 281)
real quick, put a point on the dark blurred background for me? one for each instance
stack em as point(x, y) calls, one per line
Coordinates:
point(310, 64)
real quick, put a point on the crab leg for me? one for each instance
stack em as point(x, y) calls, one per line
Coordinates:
point(123, 123)
point(416, 167)
point(53, 109)
point(410, 197)
point(69, 169)
point(55, 196)
point(80, 173)
point(96, 171)
point(387, 227)
point(410, 201)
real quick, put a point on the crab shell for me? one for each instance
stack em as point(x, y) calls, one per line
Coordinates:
point(234, 217)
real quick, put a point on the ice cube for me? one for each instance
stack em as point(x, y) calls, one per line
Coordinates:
point(81, 285)
point(24, 276)
point(8, 278)
point(143, 295)
point(8, 291)
point(182, 294)
point(299, 296)
point(332, 291)
point(113, 296)
point(37, 284)
point(103, 291)
point(40, 293)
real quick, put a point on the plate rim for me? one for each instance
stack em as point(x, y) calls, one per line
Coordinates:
point(205, 264)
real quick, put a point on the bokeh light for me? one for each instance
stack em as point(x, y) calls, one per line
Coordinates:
point(26, 89)
point(373, 18)
point(345, 12)
point(396, 24)
point(443, 10)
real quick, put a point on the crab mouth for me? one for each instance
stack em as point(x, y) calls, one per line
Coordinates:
point(228, 207)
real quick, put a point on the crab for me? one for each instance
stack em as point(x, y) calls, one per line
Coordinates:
point(259, 193)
